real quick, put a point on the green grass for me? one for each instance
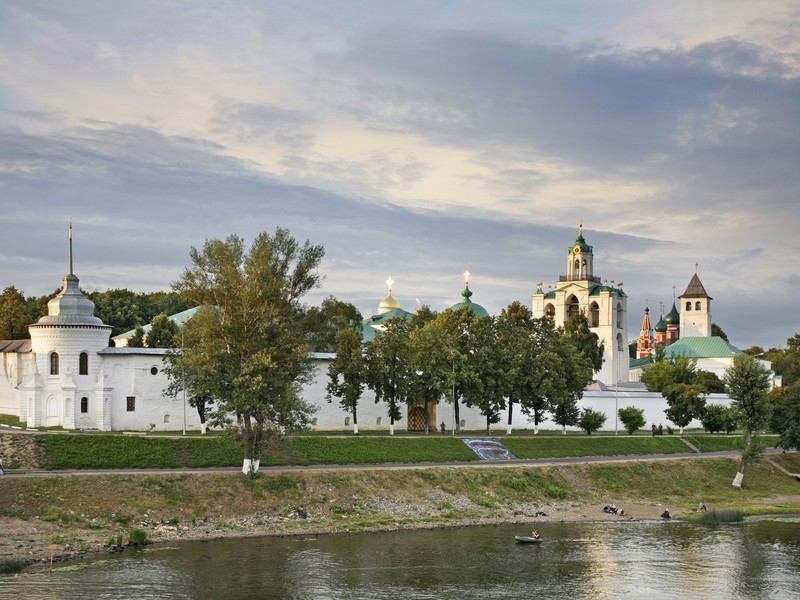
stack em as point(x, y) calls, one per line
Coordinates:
point(11, 420)
point(9, 567)
point(574, 446)
point(115, 451)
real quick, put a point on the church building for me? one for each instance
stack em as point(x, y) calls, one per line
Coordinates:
point(605, 307)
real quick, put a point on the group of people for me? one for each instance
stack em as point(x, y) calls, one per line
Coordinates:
point(612, 509)
point(657, 430)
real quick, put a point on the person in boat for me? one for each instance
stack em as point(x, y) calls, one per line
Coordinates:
point(535, 535)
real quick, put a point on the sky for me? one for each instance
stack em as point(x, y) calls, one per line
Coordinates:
point(415, 140)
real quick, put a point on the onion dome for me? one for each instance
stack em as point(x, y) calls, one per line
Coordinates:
point(388, 303)
point(661, 326)
point(673, 318)
point(476, 309)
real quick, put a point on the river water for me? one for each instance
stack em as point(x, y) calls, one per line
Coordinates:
point(758, 559)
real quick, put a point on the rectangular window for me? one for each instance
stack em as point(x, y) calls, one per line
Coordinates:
point(84, 405)
point(131, 403)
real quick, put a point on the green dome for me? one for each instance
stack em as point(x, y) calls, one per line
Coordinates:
point(476, 309)
point(580, 243)
point(661, 327)
point(673, 318)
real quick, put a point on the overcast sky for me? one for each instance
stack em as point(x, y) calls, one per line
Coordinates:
point(416, 140)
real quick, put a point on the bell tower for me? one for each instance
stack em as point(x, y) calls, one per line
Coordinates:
point(580, 259)
point(695, 309)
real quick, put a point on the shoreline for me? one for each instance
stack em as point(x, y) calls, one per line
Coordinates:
point(37, 551)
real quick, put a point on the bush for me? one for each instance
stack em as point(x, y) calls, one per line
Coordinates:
point(10, 566)
point(137, 536)
point(719, 418)
point(591, 420)
point(632, 418)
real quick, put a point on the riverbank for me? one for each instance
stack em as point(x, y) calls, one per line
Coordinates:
point(80, 515)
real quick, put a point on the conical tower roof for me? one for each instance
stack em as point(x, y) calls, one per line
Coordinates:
point(695, 289)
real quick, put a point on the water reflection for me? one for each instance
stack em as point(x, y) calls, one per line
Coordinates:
point(653, 560)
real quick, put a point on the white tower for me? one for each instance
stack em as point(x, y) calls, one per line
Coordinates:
point(695, 310)
point(66, 388)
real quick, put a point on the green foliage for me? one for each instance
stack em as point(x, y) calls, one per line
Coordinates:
point(11, 420)
point(716, 330)
point(10, 566)
point(666, 372)
point(632, 418)
point(376, 450)
point(719, 418)
point(786, 362)
point(322, 324)
point(14, 318)
point(591, 420)
point(388, 367)
point(347, 371)
point(717, 517)
point(747, 382)
point(789, 428)
point(248, 333)
point(137, 340)
point(586, 341)
point(279, 483)
point(685, 403)
point(712, 383)
point(163, 332)
point(137, 536)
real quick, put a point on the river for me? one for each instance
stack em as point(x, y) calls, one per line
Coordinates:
point(757, 559)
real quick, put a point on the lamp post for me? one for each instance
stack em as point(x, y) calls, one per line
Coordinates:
point(183, 386)
point(616, 392)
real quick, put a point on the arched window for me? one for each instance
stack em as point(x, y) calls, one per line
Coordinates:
point(697, 305)
point(619, 316)
point(54, 363)
point(573, 306)
point(594, 315)
point(688, 305)
point(550, 311)
point(84, 404)
point(83, 364)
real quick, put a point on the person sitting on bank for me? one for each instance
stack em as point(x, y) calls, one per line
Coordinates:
point(535, 535)
point(665, 514)
point(702, 507)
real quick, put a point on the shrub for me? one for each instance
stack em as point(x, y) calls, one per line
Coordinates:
point(137, 536)
point(719, 418)
point(11, 566)
point(591, 420)
point(632, 418)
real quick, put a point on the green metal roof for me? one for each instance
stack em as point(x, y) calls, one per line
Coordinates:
point(476, 309)
point(179, 319)
point(370, 325)
point(581, 243)
point(640, 362)
point(661, 326)
point(702, 347)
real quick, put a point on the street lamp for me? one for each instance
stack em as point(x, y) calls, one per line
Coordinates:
point(616, 392)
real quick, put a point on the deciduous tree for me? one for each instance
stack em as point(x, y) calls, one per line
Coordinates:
point(347, 372)
point(248, 332)
point(747, 382)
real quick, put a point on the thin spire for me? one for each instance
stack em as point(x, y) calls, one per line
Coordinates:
point(70, 245)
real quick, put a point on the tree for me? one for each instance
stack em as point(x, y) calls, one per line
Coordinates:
point(248, 334)
point(388, 367)
point(481, 381)
point(718, 417)
point(137, 340)
point(748, 386)
point(685, 402)
point(191, 383)
point(667, 371)
point(14, 319)
point(632, 418)
point(790, 427)
point(591, 420)
point(716, 330)
point(347, 372)
point(324, 323)
point(567, 372)
point(163, 332)
point(786, 362)
point(431, 356)
point(586, 341)
point(712, 383)
point(780, 414)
